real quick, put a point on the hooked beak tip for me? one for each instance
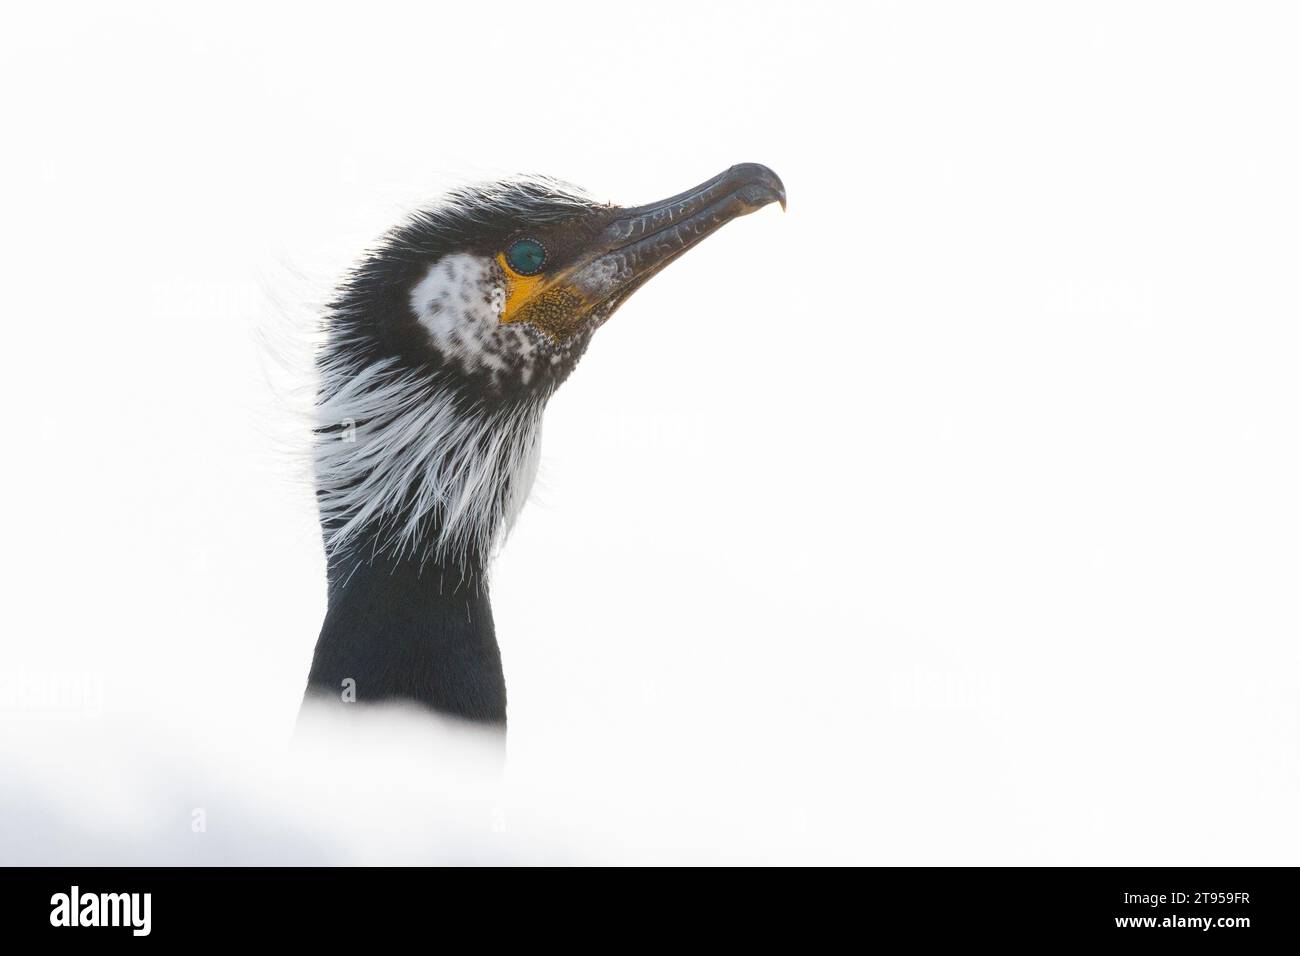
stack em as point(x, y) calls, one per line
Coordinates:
point(763, 185)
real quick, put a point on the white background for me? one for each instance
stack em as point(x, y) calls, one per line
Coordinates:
point(951, 517)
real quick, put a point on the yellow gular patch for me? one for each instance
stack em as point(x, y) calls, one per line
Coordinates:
point(519, 291)
point(548, 306)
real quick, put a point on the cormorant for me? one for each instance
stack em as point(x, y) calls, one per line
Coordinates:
point(443, 346)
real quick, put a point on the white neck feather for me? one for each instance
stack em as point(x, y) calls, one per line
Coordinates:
point(404, 459)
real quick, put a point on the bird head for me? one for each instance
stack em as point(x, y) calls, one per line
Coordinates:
point(503, 285)
point(446, 341)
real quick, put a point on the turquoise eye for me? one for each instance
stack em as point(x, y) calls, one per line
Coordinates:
point(526, 256)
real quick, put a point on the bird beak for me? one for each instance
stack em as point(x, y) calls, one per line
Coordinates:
point(633, 245)
point(639, 242)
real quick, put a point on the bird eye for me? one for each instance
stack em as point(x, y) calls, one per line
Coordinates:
point(526, 256)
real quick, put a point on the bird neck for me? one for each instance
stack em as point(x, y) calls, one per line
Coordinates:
point(401, 629)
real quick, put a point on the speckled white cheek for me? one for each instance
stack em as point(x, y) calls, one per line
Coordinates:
point(459, 303)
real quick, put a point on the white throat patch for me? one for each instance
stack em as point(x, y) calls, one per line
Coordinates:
point(459, 303)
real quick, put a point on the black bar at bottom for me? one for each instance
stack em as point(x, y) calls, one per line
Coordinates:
point(331, 906)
